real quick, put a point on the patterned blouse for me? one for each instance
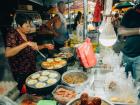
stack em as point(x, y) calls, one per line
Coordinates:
point(24, 61)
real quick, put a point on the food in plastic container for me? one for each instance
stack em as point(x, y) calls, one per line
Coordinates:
point(64, 94)
point(119, 100)
point(6, 87)
point(74, 78)
point(51, 81)
point(27, 102)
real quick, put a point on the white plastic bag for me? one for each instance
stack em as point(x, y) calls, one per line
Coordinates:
point(102, 26)
point(108, 7)
point(108, 36)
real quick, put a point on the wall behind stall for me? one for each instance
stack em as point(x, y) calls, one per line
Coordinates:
point(5, 73)
point(6, 6)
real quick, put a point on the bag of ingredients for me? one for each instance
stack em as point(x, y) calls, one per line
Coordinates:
point(86, 55)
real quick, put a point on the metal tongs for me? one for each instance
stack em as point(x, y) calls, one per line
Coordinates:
point(41, 54)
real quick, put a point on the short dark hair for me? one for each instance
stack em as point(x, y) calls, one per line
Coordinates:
point(22, 18)
point(60, 3)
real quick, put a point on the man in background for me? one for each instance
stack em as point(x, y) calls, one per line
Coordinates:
point(58, 26)
point(130, 28)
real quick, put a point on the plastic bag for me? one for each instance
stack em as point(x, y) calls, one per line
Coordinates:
point(102, 26)
point(108, 7)
point(86, 55)
point(108, 36)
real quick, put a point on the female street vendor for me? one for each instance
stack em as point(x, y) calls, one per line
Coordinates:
point(20, 49)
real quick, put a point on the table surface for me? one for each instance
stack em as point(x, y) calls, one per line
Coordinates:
point(98, 88)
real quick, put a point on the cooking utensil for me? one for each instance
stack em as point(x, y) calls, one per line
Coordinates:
point(78, 73)
point(41, 54)
point(61, 70)
point(31, 89)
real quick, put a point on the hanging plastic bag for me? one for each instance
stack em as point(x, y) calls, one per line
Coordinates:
point(108, 36)
point(86, 55)
point(108, 7)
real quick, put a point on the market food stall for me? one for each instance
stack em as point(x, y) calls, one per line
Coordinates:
point(107, 81)
point(64, 80)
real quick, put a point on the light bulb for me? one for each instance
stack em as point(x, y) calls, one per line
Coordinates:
point(108, 36)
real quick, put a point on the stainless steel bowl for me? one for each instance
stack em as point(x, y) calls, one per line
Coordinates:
point(104, 102)
point(79, 74)
point(31, 89)
point(60, 70)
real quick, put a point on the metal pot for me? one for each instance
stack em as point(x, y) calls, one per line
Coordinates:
point(60, 70)
point(31, 89)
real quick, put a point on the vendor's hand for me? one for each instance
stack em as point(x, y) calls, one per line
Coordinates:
point(33, 45)
point(49, 46)
point(32, 30)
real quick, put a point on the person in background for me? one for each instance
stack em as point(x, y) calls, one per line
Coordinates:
point(130, 28)
point(90, 18)
point(79, 28)
point(20, 50)
point(116, 22)
point(58, 26)
point(72, 16)
point(76, 20)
